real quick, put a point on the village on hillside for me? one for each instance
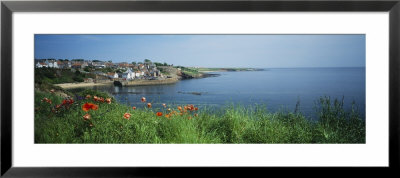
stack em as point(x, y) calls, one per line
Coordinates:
point(107, 70)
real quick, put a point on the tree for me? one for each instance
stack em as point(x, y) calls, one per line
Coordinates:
point(87, 69)
point(147, 61)
point(134, 63)
point(165, 64)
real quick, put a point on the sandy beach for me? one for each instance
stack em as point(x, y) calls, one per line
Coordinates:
point(79, 85)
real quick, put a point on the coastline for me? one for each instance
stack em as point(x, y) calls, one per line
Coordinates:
point(124, 83)
point(142, 82)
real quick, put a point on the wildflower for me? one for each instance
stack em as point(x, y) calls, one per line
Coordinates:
point(133, 107)
point(95, 107)
point(108, 100)
point(91, 125)
point(169, 109)
point(88, 96)
point(196, 108)
point(127, 116)
point(149, 105)
point(190, 107)
point(67, 101)
point(86, 117)
point(46, 100)
point(101, 99)
point(179, 108)
point(164, 105)
point(167, 115)
point(88, 106)
point(190, 117)
point(159, 113)
point(95, 98)
point(52, 91)
point(195, 115)
point(58, 106)
point(143, 99)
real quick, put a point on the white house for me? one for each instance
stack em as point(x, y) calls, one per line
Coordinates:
point(55, 65)
point(128, 75)
point(112, 75)
point(40, 65)
point(51, 64)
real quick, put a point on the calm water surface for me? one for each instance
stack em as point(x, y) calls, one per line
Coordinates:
point(277, 89)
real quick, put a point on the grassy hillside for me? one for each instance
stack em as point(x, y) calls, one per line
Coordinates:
point(61, 120)
point(56, 76)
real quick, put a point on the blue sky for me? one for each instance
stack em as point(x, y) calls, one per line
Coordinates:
point(261, 51)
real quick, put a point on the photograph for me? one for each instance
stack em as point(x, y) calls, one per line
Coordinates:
point(199, 88)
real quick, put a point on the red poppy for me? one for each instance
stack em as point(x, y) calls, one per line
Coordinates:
point(133, 107)
point(127, 116)
point(88, 106)
point(67, 101)
point(95, 98)
point(86, 117)
point(149, 105)
point(95, 107)
point(179, 108)
point(143, 99)
point(159, 113)
point(196, 108)
point(88, 96)
point(108, 100)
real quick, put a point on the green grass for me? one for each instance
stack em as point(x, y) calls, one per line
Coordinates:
point(55, 76)
point(233, 124)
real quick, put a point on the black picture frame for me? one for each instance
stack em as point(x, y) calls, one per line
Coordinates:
point(8, 7)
